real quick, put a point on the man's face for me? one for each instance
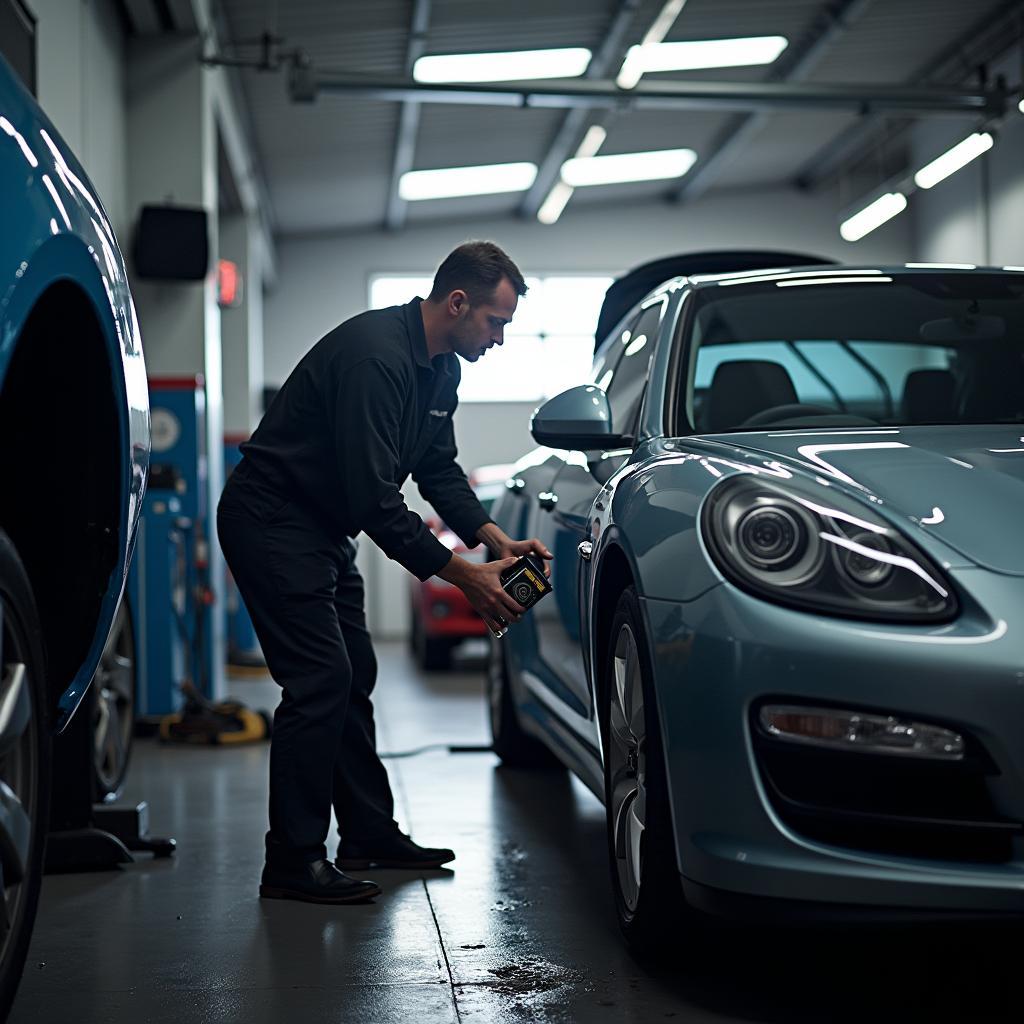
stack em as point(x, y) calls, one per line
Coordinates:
point(477, 327)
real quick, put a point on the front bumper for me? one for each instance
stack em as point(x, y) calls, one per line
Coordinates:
point(715, 658)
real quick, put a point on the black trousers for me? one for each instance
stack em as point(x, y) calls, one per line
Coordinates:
point(306, 600)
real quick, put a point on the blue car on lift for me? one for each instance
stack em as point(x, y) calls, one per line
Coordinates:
point(74, 452)
point(785, 642)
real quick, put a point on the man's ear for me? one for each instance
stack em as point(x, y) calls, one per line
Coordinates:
point(458, 301)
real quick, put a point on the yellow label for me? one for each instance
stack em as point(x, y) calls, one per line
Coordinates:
point(532, 577)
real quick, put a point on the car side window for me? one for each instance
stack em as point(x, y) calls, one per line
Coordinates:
point(629, 377)
point(610, 352)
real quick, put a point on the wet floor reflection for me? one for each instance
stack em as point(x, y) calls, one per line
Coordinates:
point(553, 952)
point(522, 930)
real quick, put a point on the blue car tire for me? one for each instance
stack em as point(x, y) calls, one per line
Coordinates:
point(649, 902)
point(25, 767)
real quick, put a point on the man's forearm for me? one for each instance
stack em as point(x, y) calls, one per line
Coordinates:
point(494, 537)
point(456, 571)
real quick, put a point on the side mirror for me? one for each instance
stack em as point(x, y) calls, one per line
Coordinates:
point(579, 419)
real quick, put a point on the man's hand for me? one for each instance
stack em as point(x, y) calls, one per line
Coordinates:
point(481, 583)
point(505, 547)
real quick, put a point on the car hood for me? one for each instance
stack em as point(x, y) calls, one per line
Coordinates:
point(964, 484)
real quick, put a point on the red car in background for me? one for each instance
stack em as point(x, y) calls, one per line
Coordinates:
point(441, 617)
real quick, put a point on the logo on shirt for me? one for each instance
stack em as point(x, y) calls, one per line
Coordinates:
point(438, 412)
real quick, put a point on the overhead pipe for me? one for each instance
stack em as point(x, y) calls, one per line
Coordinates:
point(307, 82)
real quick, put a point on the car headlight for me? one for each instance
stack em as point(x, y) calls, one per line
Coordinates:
point(821, 551)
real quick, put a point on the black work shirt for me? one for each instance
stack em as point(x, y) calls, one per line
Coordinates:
point(366, 408)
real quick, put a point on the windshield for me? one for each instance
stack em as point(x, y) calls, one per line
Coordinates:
point(900, 350)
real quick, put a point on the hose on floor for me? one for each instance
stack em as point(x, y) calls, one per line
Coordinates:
point(451, 748)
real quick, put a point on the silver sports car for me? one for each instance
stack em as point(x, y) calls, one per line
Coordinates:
point(786, 641)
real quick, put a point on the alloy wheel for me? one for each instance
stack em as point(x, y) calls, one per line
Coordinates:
point(627, 761)
point(114, 714)
point(19, 778)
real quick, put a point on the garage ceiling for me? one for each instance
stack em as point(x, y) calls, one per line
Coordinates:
point(329, 164)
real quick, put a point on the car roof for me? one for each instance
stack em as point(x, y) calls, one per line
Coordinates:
point(836, 270)
point(626, 291)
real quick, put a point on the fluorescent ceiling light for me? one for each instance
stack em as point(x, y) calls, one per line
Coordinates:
point(631, 71)
point(552, 207)
point(697, 55)
point(1020, 106)
point(873, 216)
point(951, 161)
point(609, 170)
point(591, 143)
point(511, 66)
point(560, 194)
point(448, 182)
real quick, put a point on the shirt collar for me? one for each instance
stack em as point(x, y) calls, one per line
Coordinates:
point(417, 336)
point(418, 340)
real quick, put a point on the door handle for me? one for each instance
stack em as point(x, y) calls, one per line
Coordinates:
point(586, 549)
point(547, 500)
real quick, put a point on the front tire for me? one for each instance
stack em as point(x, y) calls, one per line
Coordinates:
point(25, 767)
point(516, 747)
point(641, 844)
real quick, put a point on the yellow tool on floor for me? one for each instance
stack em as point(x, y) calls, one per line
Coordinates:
point(209, 723)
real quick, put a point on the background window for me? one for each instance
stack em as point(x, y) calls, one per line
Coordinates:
point(549, 346)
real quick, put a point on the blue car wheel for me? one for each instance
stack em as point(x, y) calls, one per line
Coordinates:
point(641, 850)
point(24, 767)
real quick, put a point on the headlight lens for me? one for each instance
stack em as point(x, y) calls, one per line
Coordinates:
point(820, 550)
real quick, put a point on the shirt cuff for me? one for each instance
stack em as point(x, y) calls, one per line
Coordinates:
point(424, 558)
point(466, 528)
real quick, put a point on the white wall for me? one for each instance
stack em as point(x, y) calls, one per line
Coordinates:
point(977, 214)
point(81, 61)
point(323, 280)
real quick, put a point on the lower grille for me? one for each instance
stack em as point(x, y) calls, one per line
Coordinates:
point(939, 810)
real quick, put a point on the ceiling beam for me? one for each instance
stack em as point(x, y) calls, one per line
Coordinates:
point(237, 131)
point(567, 138)
point(986, 38)
point(674, 95)
point(795, 65)
point(409, 119)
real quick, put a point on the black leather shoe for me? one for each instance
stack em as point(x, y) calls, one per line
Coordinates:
point(319, 881)
point(396, 850)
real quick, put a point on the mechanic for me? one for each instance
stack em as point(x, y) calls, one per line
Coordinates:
point(369, 405)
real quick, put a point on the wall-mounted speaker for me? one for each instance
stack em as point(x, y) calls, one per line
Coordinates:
point(172, 243)
point(18, 40)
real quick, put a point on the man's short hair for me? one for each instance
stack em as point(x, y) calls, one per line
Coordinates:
point(477, 269)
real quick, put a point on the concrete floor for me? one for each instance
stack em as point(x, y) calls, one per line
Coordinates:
point(521, 930)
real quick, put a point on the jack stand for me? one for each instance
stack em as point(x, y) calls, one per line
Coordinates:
point(131, 826)
point(84, 837)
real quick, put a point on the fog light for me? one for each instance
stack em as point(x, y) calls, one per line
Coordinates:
point(854, 730)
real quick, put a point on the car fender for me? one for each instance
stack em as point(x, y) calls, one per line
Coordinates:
point(62, 258)
point(55, 231)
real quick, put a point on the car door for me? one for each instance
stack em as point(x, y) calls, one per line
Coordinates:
point(565, 509)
